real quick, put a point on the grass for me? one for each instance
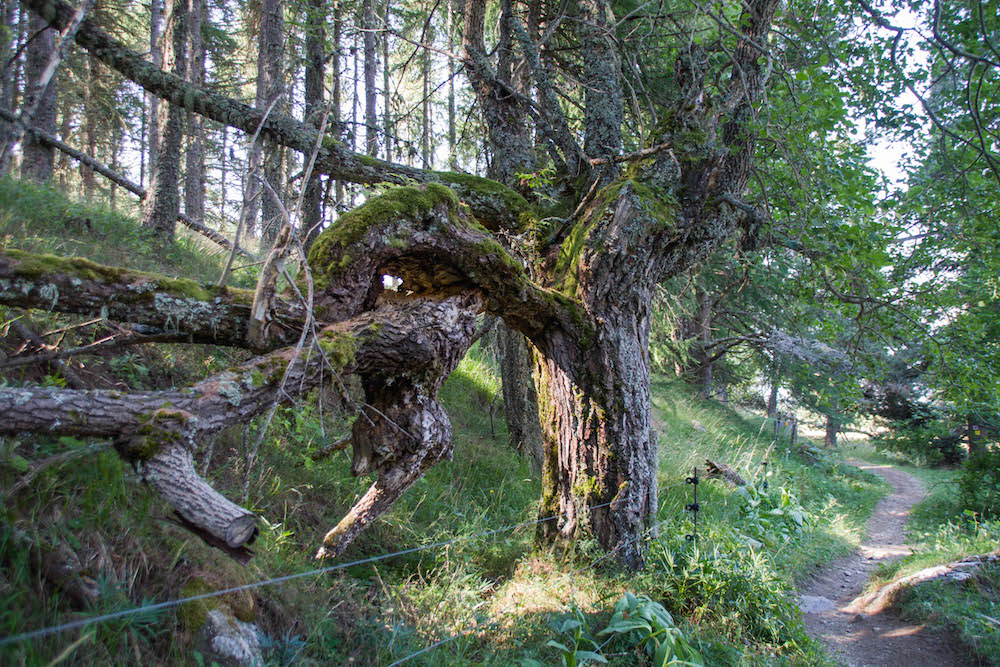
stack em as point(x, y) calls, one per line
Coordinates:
point(730, 593)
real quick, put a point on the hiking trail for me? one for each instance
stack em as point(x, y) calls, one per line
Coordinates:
point(873, 636)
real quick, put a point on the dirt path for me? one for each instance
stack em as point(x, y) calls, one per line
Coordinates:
point(873, 637)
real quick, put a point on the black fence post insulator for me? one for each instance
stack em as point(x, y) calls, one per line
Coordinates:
point(693, 507)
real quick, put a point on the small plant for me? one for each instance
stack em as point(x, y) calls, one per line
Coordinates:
point(584, 645)
point(979, 484)
point(648, 624)
point(771, 515)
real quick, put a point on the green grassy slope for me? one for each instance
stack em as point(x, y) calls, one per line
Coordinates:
point(728, 592)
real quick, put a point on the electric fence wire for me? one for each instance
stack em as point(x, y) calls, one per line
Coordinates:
point(166, 604)
point(570, 575)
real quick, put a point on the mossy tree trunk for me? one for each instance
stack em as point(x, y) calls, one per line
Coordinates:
point(583, 301)
point(163, 204)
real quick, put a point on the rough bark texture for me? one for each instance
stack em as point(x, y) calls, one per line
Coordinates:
point(152, 102)
point(270, 91)
point(162, 207)
point(520, 397)
point(37, 159)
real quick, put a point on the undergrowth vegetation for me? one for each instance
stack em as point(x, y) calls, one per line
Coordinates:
point(723, 597)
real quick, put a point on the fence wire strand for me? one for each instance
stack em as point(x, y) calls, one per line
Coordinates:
point(166, 604)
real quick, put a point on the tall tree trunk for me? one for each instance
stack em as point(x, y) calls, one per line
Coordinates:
point(152, 102)
point(312, 200)
point(520, 399)
point(832, 428)
point(604, 101)
point(509, 135)
point(335, 107)
point(371, 68)
point(37, 158)
point(270, 90)
point(772, 398)
point(452, 141)
point(703, 356)
point(8, 81)
point(386, 92)
point(194, 170)
point(163, 203)
point(426, 151)
point(89, 126)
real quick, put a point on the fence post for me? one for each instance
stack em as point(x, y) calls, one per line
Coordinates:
point(693, 507)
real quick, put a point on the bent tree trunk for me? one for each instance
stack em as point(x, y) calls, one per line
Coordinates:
point(583, 302)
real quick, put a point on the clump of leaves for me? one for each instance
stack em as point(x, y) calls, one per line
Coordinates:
point(771, 516)
point(648, 624)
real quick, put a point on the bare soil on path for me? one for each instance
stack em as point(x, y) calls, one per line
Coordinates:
point(874, 637)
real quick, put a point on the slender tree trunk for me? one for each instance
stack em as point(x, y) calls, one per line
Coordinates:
point(152, 102)
point(38, 159)
point(336, 64)
point(65, 131)
point(386, 93)
point(519, 396)
point(8, 81)
point(162, 206)
point(223, 175)
point(832, 428)
point(772, 399)
point(90, 126)
point(703, 357)
point(312, 209)
point(426, 152)
point(604, 101)
point(194, 173)
point(270, 62)
point(371, 68)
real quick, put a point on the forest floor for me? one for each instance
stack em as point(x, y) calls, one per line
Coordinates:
point(871, 637)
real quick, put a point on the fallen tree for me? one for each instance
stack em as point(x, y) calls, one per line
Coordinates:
point(580, 292)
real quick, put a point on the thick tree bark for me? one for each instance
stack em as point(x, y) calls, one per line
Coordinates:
point(162, 207)
point(37, 159)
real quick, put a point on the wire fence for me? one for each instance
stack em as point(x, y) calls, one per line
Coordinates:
point(167, 604)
